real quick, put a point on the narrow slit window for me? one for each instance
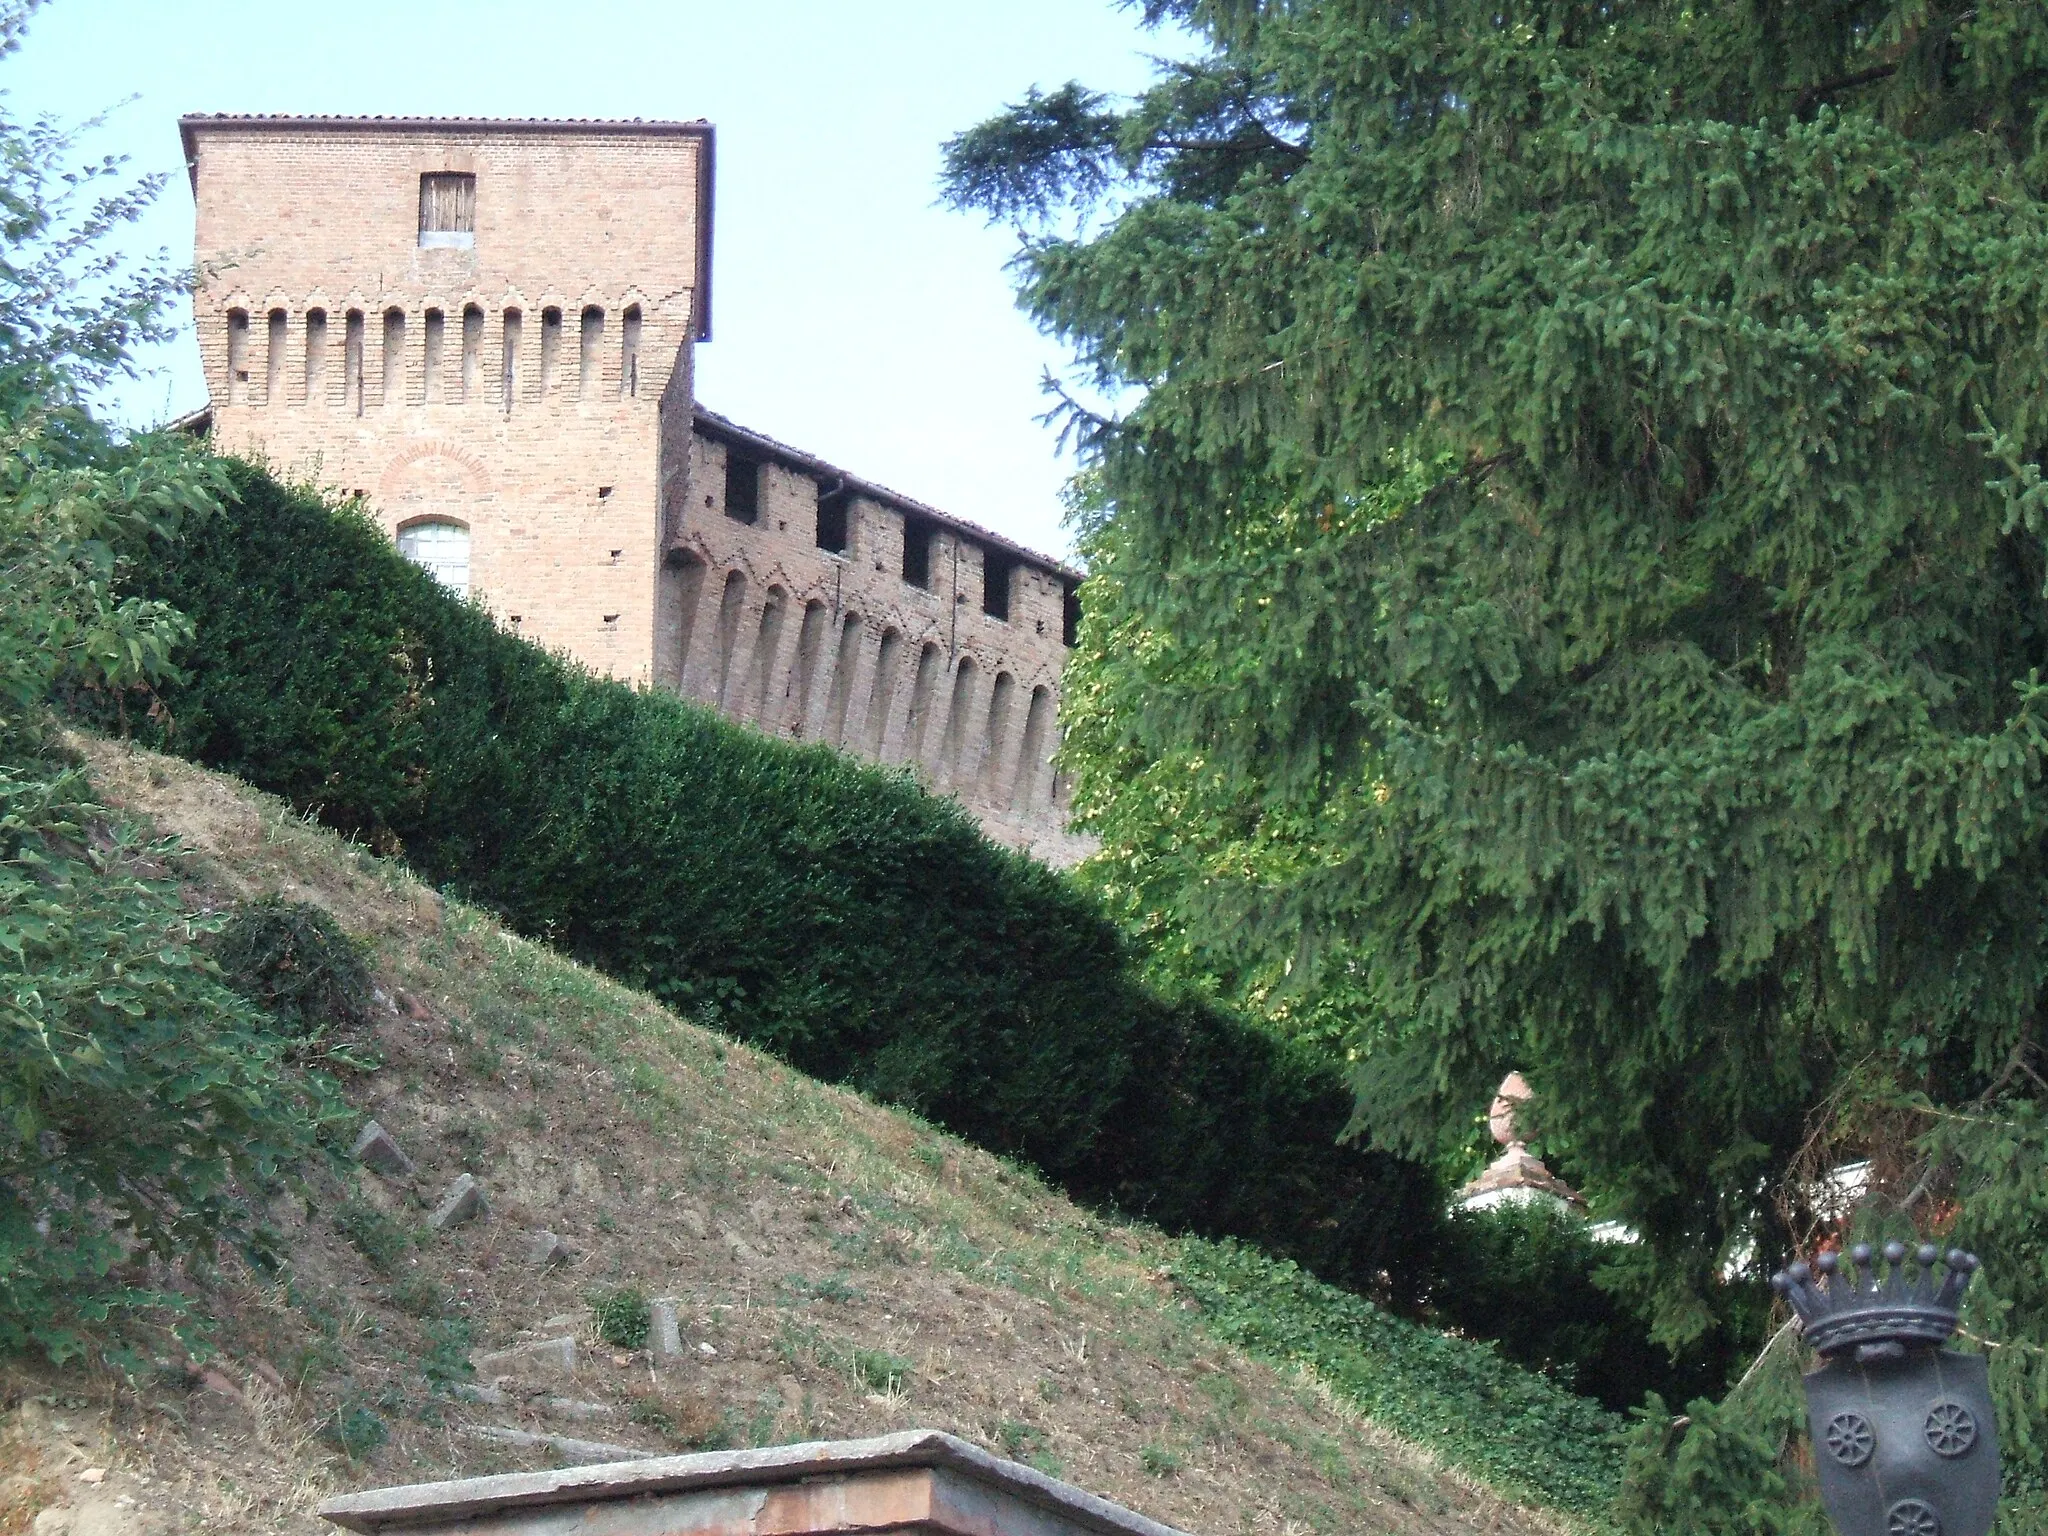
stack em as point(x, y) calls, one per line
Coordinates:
point(508, 379)
point(352, 361)
point(316, 357)
point(550, 349)
point(742, 487)
point(472, 352)
point(629, 352)
point(430, 360)
point(448, 209)
point(1070, 617)
point(590, 355)
point(394, 357)
point(238, 356)
point(918, 535)
point(273, 365)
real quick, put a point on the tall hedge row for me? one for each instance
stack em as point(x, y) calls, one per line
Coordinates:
point(834, 913)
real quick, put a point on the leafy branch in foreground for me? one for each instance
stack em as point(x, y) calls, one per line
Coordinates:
point(141, 1102)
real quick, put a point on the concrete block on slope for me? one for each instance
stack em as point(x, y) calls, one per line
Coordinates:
point(464, 1201)
point(664, 1332)
point(545, 1250)
point(375, 1149)
point(543, 1357)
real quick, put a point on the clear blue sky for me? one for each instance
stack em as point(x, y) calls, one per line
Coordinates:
point(853, 317)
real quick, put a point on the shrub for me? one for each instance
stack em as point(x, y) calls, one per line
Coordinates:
point(834, 913)
point(140, 1100)
point(446, 1362)
point(355, 1429)
point(1524, 1435)
point(623, 1317)
point(293, 961)
point(373, 1234)
point(1524, 1277)
point(878, 1370)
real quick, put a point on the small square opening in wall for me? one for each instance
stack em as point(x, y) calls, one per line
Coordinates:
point(998, 573)
point(603, 491)
point(611, 619)
point(834, 507)
point(742, 487)
point(918, 537)
point(448, 209)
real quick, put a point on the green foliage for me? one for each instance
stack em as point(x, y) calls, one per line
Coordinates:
point(446, 1361)
point(834, 913)
point(1989, 1163)
point(355, 1429)
point(378, 1238)
point(1524, 1276)
point(622, 1316)
point(878, 1370)
point(421, 1295)
point(1159, 1461)
point(1520, 1433)
point(1571, 594)
point(140, 1100)
point(291, 959)
point(1725, 1469)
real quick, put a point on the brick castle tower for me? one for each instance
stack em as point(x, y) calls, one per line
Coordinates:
point(486, 329)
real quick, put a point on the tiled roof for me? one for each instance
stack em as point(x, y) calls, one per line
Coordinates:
point(499, 124)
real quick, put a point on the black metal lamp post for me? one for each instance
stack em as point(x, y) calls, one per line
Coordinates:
point(1904, 1440)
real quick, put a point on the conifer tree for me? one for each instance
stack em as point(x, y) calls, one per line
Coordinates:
point(1573, 578)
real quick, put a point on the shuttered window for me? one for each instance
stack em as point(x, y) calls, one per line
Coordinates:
point(448, 208)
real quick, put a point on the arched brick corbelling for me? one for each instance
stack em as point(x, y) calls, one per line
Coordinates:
point(477, 479)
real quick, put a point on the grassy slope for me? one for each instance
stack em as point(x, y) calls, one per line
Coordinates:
point(846, 1270)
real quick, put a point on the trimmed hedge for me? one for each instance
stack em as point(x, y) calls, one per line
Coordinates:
point(835, 913)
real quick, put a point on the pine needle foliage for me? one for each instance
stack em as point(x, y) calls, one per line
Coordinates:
point(1576, 543)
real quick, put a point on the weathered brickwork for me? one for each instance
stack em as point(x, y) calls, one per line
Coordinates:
point(838, 645)
point(486, 329)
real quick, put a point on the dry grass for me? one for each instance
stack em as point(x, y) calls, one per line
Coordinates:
point(842, 1269)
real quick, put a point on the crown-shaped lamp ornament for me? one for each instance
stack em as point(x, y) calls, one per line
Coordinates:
point(1905, 1439)
point(1840, 1311)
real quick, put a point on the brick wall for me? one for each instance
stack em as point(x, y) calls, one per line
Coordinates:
point(816, 645)
point(533, 383)
point(370, 362)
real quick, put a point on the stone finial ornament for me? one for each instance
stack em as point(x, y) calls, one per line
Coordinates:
point(1514, 1091)
point(1517, 1176)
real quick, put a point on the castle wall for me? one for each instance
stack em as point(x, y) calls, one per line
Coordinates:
point(529, 377)
point(812, 644)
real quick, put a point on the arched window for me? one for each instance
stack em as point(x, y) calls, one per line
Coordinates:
point(273, 370)
point(441, 548)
